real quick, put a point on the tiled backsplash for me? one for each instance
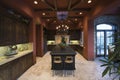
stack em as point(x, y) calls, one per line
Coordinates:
point(20, 47)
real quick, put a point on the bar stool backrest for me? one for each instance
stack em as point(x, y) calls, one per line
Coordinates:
point(57, 59)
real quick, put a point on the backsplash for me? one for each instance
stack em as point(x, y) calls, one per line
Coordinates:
point(3, 50)
point(20, 47)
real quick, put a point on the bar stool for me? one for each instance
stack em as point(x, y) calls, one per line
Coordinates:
point(69, 63)
point(69, 66)
point(57, 63)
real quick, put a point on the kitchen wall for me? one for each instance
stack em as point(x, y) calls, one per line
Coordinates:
point(58, 39)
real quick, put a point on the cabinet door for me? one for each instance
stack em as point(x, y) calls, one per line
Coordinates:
point(25, 33)
point(7, 31)
point(2, 30)
point(21, 33)
point(12, 31)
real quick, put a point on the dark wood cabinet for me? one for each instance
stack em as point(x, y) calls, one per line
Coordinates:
point(6, 31)
point(50, 47)
point(51, 34)
point(74, 34)
point(21, 32)
point(13, 31)
point(14, 69)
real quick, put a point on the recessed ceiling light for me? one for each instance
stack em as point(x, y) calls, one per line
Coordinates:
point(54, 21)
point(75, 19)
point(89, 1)
point(62, 25)
point(68, 20)
point(48, 19)
point(57, 27)
point(67, 27)
point(35, 2)
point(43, 14)
point(80, 13)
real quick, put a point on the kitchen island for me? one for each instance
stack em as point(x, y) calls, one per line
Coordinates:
point(63, 58)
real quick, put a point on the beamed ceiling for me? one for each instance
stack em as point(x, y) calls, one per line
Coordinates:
point(76, 9)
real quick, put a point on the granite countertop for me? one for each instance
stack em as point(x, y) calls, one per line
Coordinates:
point(6, 59)
point(57, 50)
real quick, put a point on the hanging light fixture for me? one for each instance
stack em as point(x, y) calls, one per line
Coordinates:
point(62, 29)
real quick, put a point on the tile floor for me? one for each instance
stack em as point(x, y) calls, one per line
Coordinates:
point(85, 70)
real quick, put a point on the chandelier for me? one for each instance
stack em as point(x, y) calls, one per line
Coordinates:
point(62, 29)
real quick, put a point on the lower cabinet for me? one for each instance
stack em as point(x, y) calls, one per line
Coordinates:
point(14, 69)
point(50, 47)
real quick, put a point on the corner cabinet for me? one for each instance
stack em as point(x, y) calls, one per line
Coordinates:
point(14, 69)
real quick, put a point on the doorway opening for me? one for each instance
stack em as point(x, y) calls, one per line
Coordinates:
point(103, 39)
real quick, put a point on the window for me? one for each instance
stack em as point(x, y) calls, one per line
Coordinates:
point(104, 27)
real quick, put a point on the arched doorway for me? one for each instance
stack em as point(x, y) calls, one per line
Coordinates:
point(103, 39)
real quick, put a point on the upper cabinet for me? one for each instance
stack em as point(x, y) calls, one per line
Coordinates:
point(75, 34)
point(13, 30)
point(51, 34)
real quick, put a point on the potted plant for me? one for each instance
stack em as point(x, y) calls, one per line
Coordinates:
point(112, 62)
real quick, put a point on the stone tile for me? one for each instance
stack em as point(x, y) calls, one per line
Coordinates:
point(85, 70)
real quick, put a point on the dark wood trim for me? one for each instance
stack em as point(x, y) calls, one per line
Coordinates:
point(75, 4)
point(69, 4)
point(49, 5)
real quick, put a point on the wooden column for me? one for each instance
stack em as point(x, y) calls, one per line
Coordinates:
point(39, 41)
point(32, 37)
point(88, 30)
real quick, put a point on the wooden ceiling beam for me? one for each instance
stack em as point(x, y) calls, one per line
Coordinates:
point(69, 4)
point(55, 4)
point(75, 17)
point(75, 4)
point(48, 4)
point(67, 17)
point(81, 9)
point(64, 9)
point(49, 17)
